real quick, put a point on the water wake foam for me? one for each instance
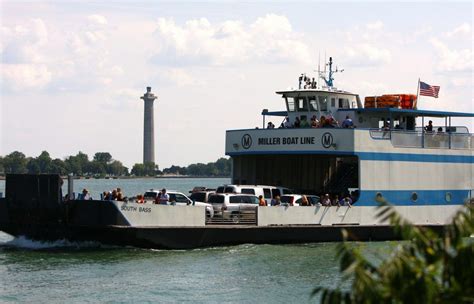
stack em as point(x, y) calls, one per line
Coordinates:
point(25, 243)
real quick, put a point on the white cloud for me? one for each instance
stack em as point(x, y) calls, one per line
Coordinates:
point(463, 29)
point(182, 78)
point(452, 60)
point(122, 100)
point(269, 39)
point(378, 25)
point(76, 57)
point(17, 77)
point(22, 43)
point(97, 19)
point(366, 54)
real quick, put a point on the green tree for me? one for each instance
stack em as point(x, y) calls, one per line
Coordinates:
point(427, 268)
point(2, 169)
point(33, 166)
point(175, 170)
point(138, 170)
point(223, 166)
point(97, 167)
point(77, 164)
point(146, 169)
point(103, 157)
point(44, 162)
point(198, 169)
point(58, 166)
point(116, 168)
point(15, 162)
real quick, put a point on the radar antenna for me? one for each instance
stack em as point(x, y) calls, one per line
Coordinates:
point(330, 79)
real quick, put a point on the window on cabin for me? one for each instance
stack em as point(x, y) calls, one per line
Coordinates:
point(323, 103)
point(343, 103)
point(313, 103)
point(290, 103)
point(333, 102)
point(301, 104)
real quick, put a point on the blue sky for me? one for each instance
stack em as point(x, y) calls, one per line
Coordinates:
point(73, 71)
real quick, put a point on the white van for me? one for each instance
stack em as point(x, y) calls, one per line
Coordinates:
point(268, 192)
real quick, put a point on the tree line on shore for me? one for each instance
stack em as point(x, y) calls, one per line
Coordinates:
point(102, 165)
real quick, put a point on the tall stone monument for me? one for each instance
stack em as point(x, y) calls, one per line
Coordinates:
point(148, 127)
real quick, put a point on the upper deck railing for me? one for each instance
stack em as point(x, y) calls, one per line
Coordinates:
point(431, 140)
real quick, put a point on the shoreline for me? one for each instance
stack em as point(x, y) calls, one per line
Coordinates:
point(138, 177)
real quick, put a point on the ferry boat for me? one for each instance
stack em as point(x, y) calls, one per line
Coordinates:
point(383, 155)
point(427, 174)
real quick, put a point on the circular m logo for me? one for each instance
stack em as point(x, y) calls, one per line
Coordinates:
point(327, 140)
point(246, 141)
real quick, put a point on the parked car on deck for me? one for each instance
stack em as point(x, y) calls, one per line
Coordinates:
point(228, 204)
point(178, 198)
point(268, 192)
point(201, 196)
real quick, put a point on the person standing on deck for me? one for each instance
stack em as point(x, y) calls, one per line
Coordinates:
point(164, 198)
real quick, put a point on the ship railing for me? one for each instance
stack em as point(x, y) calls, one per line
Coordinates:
point(241, 217)
point(431, 140)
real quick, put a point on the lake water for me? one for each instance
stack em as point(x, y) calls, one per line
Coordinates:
point(33, 272)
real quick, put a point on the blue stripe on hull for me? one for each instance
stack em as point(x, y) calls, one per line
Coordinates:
point(378, 156)
point(423, 158)
point(403, 197)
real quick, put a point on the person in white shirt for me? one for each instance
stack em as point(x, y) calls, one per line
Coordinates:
point(164, 198)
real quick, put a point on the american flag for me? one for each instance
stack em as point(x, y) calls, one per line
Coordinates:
point(427, 90)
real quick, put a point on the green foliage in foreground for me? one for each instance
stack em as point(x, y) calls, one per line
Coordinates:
point(428, 268)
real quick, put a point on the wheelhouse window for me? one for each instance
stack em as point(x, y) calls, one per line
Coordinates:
point(344, 103)
point(333, 102)
point(290, 104)
point(313, 104)
point(323, 103)
point(301, 104)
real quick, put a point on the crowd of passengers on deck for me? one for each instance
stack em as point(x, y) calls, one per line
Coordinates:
point(324, 200)
point(114, 195)
point(324, 122)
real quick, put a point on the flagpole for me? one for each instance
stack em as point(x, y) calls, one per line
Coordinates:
point(417, 94)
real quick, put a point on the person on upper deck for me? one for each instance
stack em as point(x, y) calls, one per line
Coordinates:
point(304, 123)
point(429, 127)
point(347, 123)
point(287, 123)
point(332, 122)
point(297, 123)
point(322, 122)
point(270, 125)
point(314, 122)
